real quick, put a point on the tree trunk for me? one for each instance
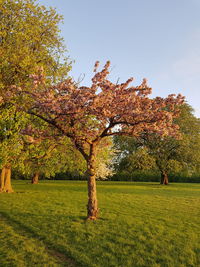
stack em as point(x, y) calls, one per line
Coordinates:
point(2, 179)
point(5, 180)
point(92, 207)
point(164, 178)
point(35, 178)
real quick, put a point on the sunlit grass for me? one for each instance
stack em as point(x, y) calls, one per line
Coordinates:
point(140, 224)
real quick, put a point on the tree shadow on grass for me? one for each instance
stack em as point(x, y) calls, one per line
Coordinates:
point(64, 257)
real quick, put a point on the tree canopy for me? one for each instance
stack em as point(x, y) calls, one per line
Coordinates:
point(29, 38)
point(168, 154)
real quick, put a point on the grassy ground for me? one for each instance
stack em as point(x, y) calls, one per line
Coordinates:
point(141, 224)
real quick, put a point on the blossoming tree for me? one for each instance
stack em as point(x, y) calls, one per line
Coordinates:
point(86, 115)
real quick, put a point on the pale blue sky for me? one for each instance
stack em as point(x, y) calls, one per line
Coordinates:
point(155, 39)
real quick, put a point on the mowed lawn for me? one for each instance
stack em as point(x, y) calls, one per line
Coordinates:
point(140, 224)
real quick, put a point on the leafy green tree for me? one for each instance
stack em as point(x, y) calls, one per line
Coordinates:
point(170, 155)
point(174, 155)
point(11, 144)
point(137, 160)
point(29, 39)
point(48, 157)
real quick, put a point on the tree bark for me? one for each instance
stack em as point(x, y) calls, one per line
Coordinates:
point(5, 179)
point(92, 206)
point(164, 178)
point(2, 179)
point(35, 178)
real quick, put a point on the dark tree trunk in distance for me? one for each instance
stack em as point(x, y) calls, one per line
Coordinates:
point(5, 179)
point(35, 178)
point(164, 178)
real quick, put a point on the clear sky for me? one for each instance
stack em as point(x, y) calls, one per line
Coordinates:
point(155, 39)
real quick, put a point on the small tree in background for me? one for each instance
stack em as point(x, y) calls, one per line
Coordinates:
point(170, 155)
point(86, 115)
point(174, 155)
point(48, 157)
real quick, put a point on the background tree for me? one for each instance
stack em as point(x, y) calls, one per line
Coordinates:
point(86, 115)
point(139, 159)
point(52, 155)
point(11, 144)
point(105, 159)
point(48, 157)
point(29, 38)
point(170, 155)
point(173, 155)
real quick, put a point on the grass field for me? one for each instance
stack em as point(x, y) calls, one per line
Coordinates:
point(140, 224)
